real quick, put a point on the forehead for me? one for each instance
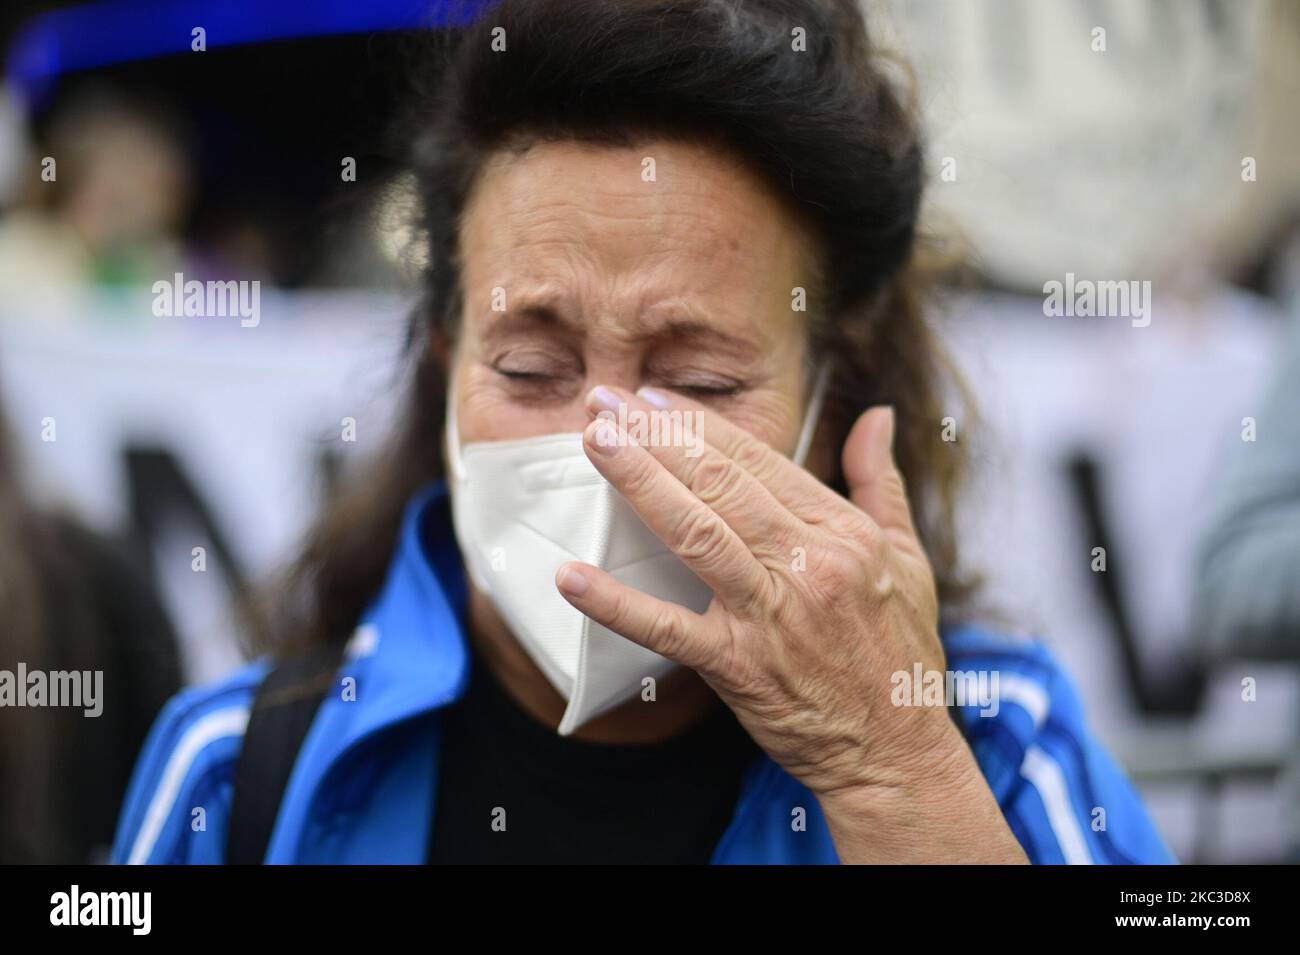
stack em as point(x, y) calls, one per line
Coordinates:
point(583, 232)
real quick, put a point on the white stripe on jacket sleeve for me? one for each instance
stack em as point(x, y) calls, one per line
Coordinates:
point(212, 727)
point(1027, 694)
point(1044, 774)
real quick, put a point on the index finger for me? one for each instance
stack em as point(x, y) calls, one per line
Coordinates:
point(794, 487)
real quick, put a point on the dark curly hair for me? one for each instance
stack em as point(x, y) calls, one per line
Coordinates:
point(824, 125)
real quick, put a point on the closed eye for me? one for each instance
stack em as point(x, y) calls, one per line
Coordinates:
point(536, 386)
point(705, 391)
point(524, 375)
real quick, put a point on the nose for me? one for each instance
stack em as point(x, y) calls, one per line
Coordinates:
point(601, 377)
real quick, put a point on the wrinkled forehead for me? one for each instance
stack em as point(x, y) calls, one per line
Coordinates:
point(652, 239)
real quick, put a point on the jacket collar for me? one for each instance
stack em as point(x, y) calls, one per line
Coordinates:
point(410, 647)
point(408, 656)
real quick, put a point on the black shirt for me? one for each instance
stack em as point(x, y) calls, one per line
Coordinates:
point(566, 800)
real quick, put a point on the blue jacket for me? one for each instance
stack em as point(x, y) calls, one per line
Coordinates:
point(363, 787)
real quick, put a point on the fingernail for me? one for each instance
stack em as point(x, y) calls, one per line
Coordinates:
point(602, 399)
point(571, 582)
point(605, 437)
point(656, 398)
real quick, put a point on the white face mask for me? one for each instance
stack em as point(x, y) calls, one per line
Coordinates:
point(521, 509)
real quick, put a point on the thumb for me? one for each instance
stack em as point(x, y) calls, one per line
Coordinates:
point(874, 481)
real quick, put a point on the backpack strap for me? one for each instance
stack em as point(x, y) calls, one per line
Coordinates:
point(283, 710)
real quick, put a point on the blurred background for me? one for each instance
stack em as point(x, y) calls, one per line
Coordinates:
point(268, 147)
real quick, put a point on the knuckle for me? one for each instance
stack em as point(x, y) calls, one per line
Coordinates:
point(735, 664)
point(620, 611)
point(866, 534)
point(895, 484)
point(668, 634)
point(839, 570)
point(639, 480)
point(700, 535)
point(715, 479)
point(750, 454)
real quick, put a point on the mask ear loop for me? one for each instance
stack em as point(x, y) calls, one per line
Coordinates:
point(452, 433)
point(813, 413)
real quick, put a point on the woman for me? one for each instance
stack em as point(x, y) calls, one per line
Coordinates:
point(648, 220)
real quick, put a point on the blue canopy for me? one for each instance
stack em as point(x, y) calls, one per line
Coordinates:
point(121, 31)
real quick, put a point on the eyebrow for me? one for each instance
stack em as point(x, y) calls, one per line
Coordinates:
point(688, 331)
point(530, 317)
point(679, 329)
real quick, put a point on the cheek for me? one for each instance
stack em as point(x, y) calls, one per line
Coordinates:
point(774, 412)
point(487, 411)
point(771, 415)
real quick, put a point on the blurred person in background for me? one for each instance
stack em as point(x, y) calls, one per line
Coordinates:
point(106, 202)
point(71, 600)
point(1248, 579)
point(1248, 567)
point(452, 686)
